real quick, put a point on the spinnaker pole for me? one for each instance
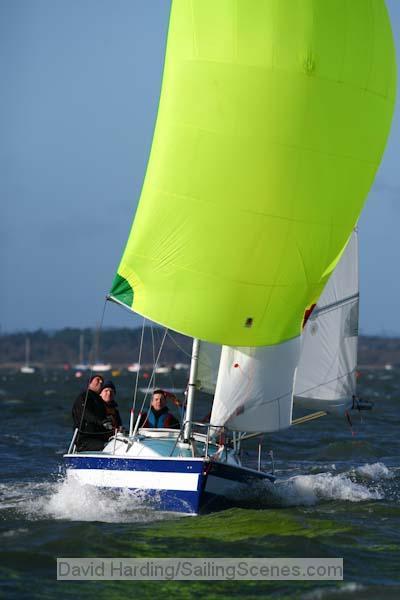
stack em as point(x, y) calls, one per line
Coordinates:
point(191, 389)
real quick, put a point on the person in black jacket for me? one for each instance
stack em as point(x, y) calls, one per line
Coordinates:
point(107, 394)
point(90, 417)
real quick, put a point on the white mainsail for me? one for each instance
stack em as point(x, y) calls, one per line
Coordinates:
point(254, 387)
point(326, 374)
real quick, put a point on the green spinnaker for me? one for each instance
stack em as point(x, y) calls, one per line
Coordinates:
point(272, 121)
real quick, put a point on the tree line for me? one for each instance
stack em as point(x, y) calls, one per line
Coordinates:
point(115, 345)
point(120, 346)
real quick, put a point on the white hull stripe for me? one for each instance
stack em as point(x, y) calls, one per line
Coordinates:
point(143, 480)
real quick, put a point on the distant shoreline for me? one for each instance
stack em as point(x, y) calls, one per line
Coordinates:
point(66, 347)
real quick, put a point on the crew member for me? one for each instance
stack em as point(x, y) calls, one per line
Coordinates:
point(107, 394)
point(90, 417)
point(159, 415)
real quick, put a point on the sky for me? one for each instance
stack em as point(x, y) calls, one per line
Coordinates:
point(79, 94)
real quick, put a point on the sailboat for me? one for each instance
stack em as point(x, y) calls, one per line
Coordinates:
point(98, 366)
point(269, 132)
point(27, 369)
point(81, 365)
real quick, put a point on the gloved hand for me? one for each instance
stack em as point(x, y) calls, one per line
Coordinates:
point(173, 398)
point(107, 423)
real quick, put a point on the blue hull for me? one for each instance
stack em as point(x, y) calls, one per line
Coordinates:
point(186, 486)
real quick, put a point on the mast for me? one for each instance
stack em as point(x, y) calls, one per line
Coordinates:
point(96, 345)
point(81, 341)
point(191, 388)
point(27, 351)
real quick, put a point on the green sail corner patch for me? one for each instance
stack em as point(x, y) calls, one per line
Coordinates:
point(122, 291)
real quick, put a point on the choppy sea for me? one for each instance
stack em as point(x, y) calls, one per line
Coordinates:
point(337, 495)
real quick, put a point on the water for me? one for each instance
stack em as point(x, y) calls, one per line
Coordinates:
point(338, 495)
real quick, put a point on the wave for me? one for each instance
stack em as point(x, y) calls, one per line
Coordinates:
point(375, 472)
point(356, 485)
point(73, 501)
point(311, 489)
point(68, 499)
point(346, 589)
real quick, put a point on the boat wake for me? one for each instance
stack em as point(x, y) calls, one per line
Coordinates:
point(369, 482)
point(360, 484)
point(67, 499)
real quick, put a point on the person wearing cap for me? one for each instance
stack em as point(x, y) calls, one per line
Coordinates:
point(159, 414)
point(90, 417)
point(107, 394)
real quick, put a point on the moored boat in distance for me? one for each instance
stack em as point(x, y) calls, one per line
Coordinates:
point(163, 369)
point(27, 369)
point(100, 367)
point(81, 367)
point(181, 366)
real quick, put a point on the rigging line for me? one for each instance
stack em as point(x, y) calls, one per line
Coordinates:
point(172, 378)
point(157, 335)
point(188, 354)
point(154, 353)
point(178, 346)
point(99, 328)
point(154, 368)
point(140, 362)
point(152, 381)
